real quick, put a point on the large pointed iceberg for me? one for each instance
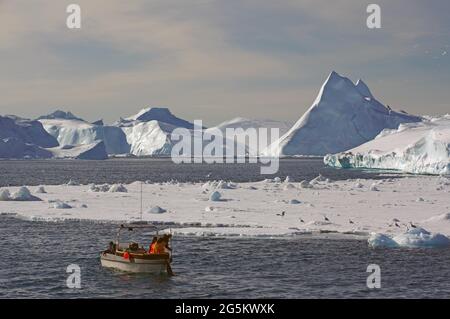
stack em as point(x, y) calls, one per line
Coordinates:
point(343, 116)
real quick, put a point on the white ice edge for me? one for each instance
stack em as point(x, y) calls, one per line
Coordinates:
point(352, 207)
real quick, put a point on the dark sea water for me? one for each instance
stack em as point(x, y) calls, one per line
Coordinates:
point(55, 172)
point(35, 256)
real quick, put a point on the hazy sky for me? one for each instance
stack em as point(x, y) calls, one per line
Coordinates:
point(218, 59)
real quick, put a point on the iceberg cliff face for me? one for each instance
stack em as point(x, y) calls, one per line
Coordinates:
point(148, 132)
point(79, 132)
point(27, 131)
point(343, 116)
point(422, 148)
point(22, 138)
point(149, 138)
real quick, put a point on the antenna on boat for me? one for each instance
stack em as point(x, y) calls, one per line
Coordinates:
point(141, 201)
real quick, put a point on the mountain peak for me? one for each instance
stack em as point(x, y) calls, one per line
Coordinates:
point(151, 113)
point(334, 86)
point(160, 114)
point(58, 114)
point(363, 88)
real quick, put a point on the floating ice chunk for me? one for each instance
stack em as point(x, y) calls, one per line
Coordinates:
point(61, 205)
point(413, 238)
point(215, 196)
point(268, 180)
point(41, 190)
point(156, 210)
point(306, 184)
point(23, 194)
point(358, 185)
point(5, 195)
point(118, 188)
point(380, 240)
point(287, 180)
point(374, 187)
point(277, 180)
point(419, 237)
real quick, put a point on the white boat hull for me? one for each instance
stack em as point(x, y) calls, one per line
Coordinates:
point(135, 265)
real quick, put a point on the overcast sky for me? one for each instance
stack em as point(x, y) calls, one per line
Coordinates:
point(218, 59)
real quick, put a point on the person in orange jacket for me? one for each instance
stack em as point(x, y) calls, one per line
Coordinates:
point(151, 249)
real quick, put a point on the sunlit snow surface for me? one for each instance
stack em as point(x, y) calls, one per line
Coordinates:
point(422, 148)
point(351, 207)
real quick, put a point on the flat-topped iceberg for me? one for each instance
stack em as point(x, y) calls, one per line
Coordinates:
point(421, 148)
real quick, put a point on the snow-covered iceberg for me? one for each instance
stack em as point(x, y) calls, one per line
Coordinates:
point(422, 148)
point(413, 238)
point(160, 114)
point(23, 138)
point(71, 130)
point(343, 116)
point(149, 138)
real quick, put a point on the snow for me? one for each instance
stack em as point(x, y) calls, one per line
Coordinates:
point(343, 116)
point(253, 209)
point(421, 148)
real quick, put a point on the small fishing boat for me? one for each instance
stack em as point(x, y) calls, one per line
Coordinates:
point(134, 258)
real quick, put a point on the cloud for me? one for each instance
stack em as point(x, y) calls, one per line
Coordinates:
point(213, 59)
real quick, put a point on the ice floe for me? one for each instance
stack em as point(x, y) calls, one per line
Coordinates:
point(412, 238)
